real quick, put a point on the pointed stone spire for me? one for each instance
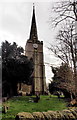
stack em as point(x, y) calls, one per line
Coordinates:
point(33, 31)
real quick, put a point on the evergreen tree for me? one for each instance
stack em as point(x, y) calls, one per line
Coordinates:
point(15, 68)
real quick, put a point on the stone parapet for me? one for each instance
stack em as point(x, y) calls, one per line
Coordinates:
point(69, 114)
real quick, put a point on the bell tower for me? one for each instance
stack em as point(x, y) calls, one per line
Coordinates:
point(34, 50)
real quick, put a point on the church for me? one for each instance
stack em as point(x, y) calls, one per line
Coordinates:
point(34, 51)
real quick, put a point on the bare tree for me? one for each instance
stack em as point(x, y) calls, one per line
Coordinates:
point(67, 10)
point(64, 10)
point(65, 47)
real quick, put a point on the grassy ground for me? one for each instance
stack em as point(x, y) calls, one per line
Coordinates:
point(23, 104)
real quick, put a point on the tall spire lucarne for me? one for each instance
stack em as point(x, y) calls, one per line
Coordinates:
point(33, 31)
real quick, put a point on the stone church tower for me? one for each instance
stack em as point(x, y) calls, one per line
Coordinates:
point(34, 50)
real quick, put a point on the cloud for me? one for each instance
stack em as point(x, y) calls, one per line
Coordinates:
point(34, 1)
point(15, 24)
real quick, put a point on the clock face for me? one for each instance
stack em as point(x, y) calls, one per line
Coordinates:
point(35, 45)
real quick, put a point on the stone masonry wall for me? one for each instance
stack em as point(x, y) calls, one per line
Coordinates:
point(70, 114)
point(39, 82)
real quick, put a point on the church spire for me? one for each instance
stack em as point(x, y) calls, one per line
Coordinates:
point(33, 31)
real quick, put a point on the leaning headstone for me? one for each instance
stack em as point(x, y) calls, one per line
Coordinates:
point(4, 108)
point(37, 98)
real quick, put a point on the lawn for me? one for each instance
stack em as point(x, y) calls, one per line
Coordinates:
point(25, 104)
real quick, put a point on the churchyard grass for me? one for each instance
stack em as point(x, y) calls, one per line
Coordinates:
point(26, 104)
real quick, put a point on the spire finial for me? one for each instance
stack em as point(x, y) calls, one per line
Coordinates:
point(33, 6)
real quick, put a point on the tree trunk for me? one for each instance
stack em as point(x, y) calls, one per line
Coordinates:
point(76, 59)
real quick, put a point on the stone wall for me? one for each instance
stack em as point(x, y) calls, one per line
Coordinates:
point(70, 114)
point(25, 88)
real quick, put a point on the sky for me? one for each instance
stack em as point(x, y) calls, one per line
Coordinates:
point(15, 24)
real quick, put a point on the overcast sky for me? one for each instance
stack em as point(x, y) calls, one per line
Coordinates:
point(15, 24)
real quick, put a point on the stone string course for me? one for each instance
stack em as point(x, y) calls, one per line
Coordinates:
point(69, 114)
